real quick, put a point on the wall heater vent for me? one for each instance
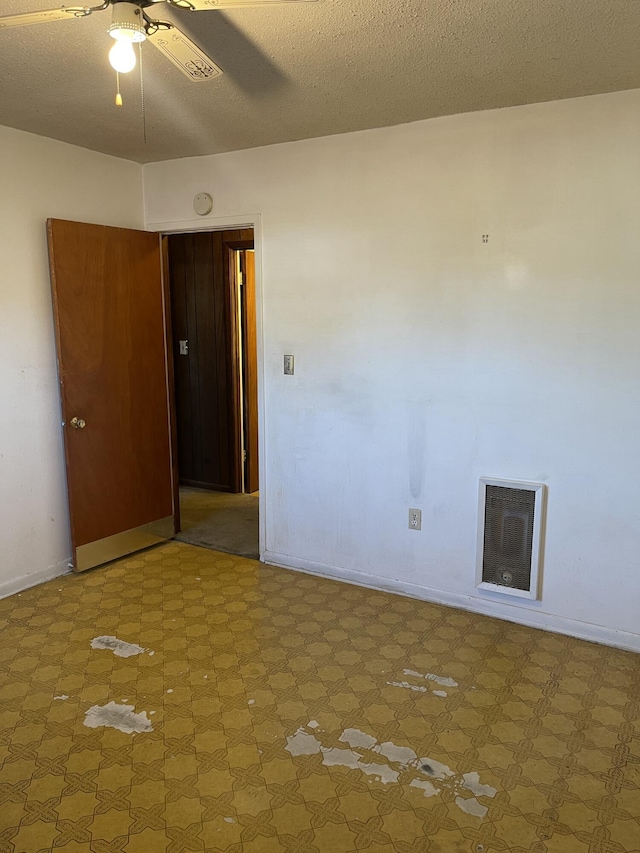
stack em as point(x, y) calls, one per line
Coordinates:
point(510, 537)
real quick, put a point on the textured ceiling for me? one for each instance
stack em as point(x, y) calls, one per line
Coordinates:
point(299, 71)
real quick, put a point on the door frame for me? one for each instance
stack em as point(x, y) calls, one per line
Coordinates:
point(230, 223)
point(238, 366)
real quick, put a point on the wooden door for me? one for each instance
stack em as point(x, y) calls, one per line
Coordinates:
point(250, 373)
point(203, 308)
point(113, 363)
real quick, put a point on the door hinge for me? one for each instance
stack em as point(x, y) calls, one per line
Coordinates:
point(240, 279)
point(244, 455)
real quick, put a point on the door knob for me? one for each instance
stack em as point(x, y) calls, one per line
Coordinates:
point(78, 423)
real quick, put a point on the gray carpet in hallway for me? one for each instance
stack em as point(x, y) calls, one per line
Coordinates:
point(220, 521)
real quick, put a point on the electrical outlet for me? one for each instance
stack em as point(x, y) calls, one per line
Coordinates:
point(415, 519)
point(288, 365)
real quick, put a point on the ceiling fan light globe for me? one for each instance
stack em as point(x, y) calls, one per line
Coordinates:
point(123, 33)
point(127, 22)
point(122, 56)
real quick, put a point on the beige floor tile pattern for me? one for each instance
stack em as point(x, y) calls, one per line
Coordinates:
point(244, 656)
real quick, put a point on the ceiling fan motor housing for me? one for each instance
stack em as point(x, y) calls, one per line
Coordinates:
point(127, 22)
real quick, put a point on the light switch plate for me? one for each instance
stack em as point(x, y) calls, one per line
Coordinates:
point(184, 347)
point(288, 365)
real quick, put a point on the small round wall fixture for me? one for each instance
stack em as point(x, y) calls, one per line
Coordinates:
point(203, 204)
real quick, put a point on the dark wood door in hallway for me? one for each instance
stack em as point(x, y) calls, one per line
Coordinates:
point(206, 334)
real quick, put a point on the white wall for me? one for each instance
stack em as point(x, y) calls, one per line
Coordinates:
point(426, 359)
point(41, 178)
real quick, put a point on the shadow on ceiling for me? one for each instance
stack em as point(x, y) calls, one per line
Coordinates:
point(242, 60)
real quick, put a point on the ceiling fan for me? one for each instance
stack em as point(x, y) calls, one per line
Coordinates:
point(132, 23)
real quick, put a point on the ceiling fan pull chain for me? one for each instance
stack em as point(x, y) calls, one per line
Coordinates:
point(118, 95)
point(144, 115)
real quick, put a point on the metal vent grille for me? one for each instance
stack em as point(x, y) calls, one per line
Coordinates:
point(508, 537)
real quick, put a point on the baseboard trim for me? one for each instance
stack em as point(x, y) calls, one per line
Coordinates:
point(15, 585)
point(509, 613)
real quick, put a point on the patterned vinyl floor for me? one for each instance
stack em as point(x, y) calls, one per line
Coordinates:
point(283, 712)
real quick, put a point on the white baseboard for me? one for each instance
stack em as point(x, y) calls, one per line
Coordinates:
point(15, 585)
point(497, 610)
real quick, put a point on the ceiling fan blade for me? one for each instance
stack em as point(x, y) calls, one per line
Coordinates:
point(44, 17)
point(184, 54)
point(203, 5)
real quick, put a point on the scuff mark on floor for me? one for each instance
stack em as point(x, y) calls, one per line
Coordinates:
point(63, 697)
point(428, 789)
point(354, 737)
point(436, 769)
point(382, 772)
point(120, 648)
point(413, 672)
point(120, 717)
point(472, 783)
point(400, 754)
point(408, 686)
point(340, 757)
point(471, 806)
point(443, 681)
point(403, 762)
point(302, 743)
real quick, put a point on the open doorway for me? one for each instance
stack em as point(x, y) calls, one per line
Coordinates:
point(212, 287)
